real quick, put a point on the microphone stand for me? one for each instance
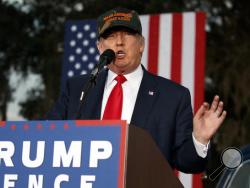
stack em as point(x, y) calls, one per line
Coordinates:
point(91, 82)
point(106, 58)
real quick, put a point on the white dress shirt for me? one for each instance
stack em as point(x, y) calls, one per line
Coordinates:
point(130, 91)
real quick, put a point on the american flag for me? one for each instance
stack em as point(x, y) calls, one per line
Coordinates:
point(175, 49)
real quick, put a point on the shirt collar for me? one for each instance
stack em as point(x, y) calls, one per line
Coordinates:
point(131, 77)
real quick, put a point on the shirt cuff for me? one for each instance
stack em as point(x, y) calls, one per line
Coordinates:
point(200, 148)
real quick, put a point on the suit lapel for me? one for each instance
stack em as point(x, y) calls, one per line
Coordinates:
point(145, 99)
point(92, 106)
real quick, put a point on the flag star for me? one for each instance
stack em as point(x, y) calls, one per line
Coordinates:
point(79, 35)
point(70, 73)
point(91, 66)
point(72, 43)
point(86, 27)
point(71, 58)
point(78, 50)
point(92, 50)
point(77, 66)
point(85, 43)
point(83, 72)
point(84, 58)
point(92, 35)
point(73, 28)
point(97, 58)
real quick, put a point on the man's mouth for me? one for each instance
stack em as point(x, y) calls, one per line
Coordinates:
point(120, 54)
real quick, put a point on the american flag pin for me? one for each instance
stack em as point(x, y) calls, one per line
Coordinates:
point(151, 93)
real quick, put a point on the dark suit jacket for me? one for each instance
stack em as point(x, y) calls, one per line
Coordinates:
point(166, 115)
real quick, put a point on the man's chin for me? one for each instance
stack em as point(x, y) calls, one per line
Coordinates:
point(118, 68)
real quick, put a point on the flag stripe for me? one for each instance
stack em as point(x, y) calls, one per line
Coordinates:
point(199, 73)
point(199, 60)
point(145, 33)
point(153, 47)
point(186, 179)
point(176, 47)
point(165, 46)
point(188, 47)
point(197, 181)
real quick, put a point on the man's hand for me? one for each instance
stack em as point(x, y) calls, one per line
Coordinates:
point(207, 120)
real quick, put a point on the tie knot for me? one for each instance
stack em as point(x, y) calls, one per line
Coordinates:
point(120, 79)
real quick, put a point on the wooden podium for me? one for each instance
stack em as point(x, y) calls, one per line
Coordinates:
point(146, 166)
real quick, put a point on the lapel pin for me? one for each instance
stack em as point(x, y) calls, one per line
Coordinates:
point(151, 93)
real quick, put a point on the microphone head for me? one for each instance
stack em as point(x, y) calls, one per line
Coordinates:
point(107, 56)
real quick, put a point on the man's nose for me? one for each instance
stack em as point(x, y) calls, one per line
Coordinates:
point(120, 39)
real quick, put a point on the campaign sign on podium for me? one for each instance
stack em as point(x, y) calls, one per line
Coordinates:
point(46, 154)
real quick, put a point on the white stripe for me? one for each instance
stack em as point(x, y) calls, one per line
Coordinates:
point(188, 53)
point(186, 179)
point(165, 46)
point(145, 33)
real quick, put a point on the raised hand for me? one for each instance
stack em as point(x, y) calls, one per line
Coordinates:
point(207, 120)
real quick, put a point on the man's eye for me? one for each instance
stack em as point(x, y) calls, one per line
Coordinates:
point(129, 33)
point(111, 35)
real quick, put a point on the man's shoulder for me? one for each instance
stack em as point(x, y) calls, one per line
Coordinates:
point(165, 83)
point(76, 81)
point(78, 78)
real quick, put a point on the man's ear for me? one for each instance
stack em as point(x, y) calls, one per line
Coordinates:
point(142, 41)
point(99, 45)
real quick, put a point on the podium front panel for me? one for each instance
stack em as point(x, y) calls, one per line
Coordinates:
point(63, 154)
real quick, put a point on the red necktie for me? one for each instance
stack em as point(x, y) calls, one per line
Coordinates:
point(113, 109)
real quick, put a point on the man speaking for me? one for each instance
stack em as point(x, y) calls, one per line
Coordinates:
point(129, 92)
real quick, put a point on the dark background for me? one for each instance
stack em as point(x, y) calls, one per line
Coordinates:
point(31, 41)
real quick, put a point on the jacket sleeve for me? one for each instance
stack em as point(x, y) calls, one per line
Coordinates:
point(60, 108)
point(186, 158)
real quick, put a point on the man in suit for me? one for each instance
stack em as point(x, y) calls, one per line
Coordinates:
point(158, 105)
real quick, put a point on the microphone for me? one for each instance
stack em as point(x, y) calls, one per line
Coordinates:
point(106, 58)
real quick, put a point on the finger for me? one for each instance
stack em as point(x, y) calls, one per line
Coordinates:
point(219, 109)
point(215, 103)
point(202, 109)
point(206, 105)
point(222, 117)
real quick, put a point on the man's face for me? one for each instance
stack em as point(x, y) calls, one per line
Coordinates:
point(128, 47)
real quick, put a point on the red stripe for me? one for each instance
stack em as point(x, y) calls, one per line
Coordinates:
point(123, 154)
point(153, 43)
point(98, 122)
point(200, 38)
point(196, 181)
point(176, 48)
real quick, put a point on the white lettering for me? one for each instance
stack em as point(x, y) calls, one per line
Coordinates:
point(85, 181)
point(34, 183)
point(61, 155)
point(9, 180)
point(7, 150)
point(26, 154)
point(99, 150)
point(60, 178)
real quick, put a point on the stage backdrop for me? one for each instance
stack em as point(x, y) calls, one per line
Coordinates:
point(175, 49)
